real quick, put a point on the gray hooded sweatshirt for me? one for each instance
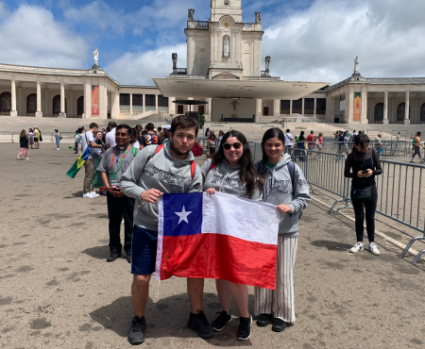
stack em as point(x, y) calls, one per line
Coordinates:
point(159, 171)
point(225, 179)
point(278, 189)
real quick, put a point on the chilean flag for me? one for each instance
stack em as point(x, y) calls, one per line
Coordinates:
point(217, 236)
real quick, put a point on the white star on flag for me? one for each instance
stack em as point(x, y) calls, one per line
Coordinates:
point(183, 215)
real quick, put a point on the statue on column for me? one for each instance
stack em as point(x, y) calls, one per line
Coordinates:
point(96, 57)
point(356, 66)
point(226, 47)
point(191, 15)
point(174, 57)
point(267, 63)
point(257, 17)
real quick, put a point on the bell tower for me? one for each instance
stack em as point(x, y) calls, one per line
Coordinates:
point(220, 8)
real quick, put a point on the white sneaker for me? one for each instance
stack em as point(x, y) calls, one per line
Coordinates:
point(58, 149)
point(88, 196)
point(17, 156)
point(27, 158)
point(95, 195)
point(374, 249)
point(357, 247)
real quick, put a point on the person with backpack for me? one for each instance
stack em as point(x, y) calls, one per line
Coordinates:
point(232, 171)
point(115, 161)
point(286, 188)
point(159, 169)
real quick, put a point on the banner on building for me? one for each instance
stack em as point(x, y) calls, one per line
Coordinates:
point(357, 106)
point(95, 100)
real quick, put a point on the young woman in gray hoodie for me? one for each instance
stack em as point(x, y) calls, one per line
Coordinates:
point(232, 171)
point(285, 187)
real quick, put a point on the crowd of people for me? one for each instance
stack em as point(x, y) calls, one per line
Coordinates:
point(29, 139)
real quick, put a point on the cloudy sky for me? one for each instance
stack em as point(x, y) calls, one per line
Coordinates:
point(308, 40)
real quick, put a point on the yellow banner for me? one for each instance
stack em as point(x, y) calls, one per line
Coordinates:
point(357, 106)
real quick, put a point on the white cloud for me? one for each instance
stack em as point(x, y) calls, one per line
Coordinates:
point(31, 36)
point(139, 68)
point(320, 43)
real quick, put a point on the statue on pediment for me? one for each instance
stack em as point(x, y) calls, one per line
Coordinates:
point(226, 47)
point(191, 15)
point(174, 57)
point(257, 17)
point(96, 56)
point(268, 63)
point(356, 66)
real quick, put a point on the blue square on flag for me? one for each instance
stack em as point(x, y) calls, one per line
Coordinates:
point(182, 214)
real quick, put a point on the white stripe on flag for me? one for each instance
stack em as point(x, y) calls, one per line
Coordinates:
point(160, 238)
point(241, 218)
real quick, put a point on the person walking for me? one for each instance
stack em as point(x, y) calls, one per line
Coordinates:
point(277, 306)
point(211, 145)
point(78, 141)
point(417, 148)
point(363, 165)
point(232, 171)
point(220, 137)
point(300, 146)
point(23, 143)
point(36, 138)
point(378, 145)
point(88, 141)
point(320, 145)
point(146, 180)
point(58, 139)
point(310, 143)
point(288, 139)
point(113, 165)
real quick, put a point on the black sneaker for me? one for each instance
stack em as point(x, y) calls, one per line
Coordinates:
point(244, 330)
point(263, 320)
point(278, 325)
point(129, 258)
point(199, 323)
point(136, 335)
point(113, 256)
point(219, 323)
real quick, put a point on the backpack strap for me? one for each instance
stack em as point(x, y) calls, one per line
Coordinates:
point(192, 172)
point(214, 165)
point(291, 169)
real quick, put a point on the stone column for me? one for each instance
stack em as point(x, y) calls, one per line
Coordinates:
point(349, 107)
point(103, 104)
point(115, 107)
point(290, 107)
point(19, 101)
point(386, 121)
point(87, 101)
point(131, 105)
point(210, 106)
point(13, 111)
point(406, 111)
point(363, 115)
point(315, 108)
point(156, 103)
point(303, 107)
point(276, 107)
point(39, 113)
point(62, 114)
point(259, 108)
point(144, 103)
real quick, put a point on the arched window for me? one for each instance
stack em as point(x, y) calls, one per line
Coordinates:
point(379, 112)
point(5, 102)
point(32, 103)
point(57, 105)
point(80, 106)
point(401, 111)
point(423, 113)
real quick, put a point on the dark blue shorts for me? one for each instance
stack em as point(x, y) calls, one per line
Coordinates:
point(143, 251)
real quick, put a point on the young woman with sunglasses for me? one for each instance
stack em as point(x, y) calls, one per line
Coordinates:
point(232, 171)
point(286, 188)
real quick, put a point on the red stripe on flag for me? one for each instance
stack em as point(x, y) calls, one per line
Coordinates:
point(216, 256)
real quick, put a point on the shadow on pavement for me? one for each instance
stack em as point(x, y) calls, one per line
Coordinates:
point(332, 245)
point(100, 252)
point(168, 318)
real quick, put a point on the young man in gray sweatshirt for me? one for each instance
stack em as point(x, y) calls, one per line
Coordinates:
point(154, 171)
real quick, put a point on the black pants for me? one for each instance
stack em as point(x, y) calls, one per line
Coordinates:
point(359, 209)
point(119, 208)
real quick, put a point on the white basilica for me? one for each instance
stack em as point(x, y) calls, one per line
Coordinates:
point(224, 68)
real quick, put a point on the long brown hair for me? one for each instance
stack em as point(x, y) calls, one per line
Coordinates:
point(23, 134)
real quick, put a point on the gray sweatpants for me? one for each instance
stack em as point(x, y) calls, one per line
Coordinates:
point(280, 302)
point(88, 179)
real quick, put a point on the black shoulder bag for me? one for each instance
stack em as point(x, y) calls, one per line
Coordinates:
point(363, 193)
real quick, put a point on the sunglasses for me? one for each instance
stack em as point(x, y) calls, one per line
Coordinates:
point(236, 146)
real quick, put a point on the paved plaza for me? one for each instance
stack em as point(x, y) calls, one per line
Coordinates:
point(57, 291)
